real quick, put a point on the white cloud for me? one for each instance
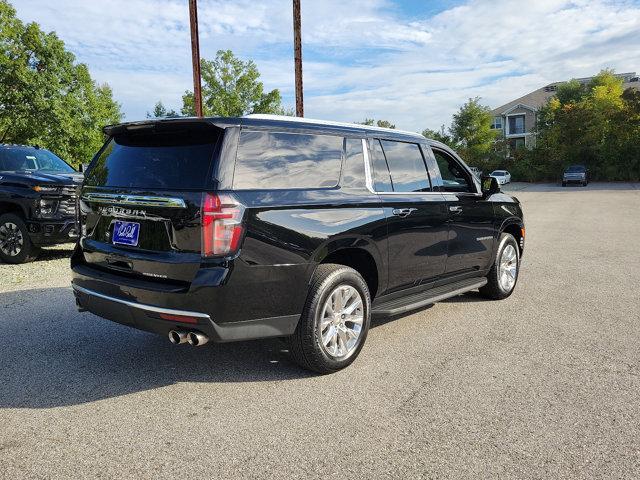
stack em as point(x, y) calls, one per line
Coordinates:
point(362, 59)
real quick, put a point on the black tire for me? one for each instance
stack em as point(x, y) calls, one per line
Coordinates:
point(494, 289)
point(564, 184)
point(305, 344)
point(24, 253)
point(584, 184)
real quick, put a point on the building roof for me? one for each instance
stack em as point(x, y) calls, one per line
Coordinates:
point(541, 96)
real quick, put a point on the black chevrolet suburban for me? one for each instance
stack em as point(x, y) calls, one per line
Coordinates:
point(224, 229)
point(37, 201)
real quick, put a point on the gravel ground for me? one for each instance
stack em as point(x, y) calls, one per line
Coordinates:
point(545, 384)
point(51, 270)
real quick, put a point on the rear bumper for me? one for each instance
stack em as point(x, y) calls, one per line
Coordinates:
point(149, 318)
point(52, 232)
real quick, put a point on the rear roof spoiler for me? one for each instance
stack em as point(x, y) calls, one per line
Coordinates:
point(162, 124)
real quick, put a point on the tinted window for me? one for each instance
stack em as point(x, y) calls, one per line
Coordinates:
point(454, 177)
point(178, 160)
point(576, 169)
point(269, 160)
point(353, 175)
point(381, 178)
point(408, 171)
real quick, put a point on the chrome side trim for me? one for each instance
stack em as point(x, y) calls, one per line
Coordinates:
point(367, 166)
point(141, 306)
point(137, 200)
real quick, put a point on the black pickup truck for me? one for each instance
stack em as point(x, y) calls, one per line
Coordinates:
point(227, 229)
point(37, 201)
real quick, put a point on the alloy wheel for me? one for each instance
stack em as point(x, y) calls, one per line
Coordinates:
point(508, 268)
point(11, 239)
point(340, 322)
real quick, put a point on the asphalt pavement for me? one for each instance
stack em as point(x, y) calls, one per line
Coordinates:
point(545, 384)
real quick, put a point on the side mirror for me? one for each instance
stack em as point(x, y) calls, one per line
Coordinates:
point(83, 167)
point(489, 185)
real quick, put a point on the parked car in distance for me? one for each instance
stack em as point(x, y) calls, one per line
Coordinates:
point(502, 176)
point(37, 201)
point(576, 174)
point(224, 229)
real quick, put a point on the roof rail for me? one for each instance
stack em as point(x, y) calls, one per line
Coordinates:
point(285, 118)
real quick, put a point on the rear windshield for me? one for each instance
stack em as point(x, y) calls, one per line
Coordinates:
point(171, 160)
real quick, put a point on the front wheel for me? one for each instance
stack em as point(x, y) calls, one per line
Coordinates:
point(335, 320)
point(15, 244)
point(503, 276)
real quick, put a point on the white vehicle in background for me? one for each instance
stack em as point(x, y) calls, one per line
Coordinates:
point(502, 176)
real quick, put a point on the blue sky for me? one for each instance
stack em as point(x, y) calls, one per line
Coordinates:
point(411, 62)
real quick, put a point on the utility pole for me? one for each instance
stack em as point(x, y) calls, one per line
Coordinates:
point(297, 55)
point(195, 57)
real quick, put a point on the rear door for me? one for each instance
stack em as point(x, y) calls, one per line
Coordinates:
point(416, 215)
point(141, 200)
point(471, 217)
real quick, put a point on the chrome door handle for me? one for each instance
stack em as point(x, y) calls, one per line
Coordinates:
point(403, 212)
point(455, 209)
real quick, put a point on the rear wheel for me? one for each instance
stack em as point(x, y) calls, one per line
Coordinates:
point(15, 244)
point(335, 320)
point(503, 276)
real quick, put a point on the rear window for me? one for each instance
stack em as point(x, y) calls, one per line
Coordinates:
point(168, 160)
point(274, 160)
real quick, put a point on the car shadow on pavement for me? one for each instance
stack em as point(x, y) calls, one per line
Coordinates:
point(51, 355)
point(54, 253)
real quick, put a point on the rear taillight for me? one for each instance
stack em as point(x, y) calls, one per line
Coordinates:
point(221, 225)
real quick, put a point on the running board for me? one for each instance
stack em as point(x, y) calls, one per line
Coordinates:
point(412, 302)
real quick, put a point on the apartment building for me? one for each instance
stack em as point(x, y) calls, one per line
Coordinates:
point(517, 119)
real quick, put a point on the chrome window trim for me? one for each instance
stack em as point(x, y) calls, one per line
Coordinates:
point(369, 178)
point(367, 166)
point(141, 306)
point(137, 200)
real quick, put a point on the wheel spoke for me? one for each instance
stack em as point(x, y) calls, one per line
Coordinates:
point(329, 336)
point(357, 303)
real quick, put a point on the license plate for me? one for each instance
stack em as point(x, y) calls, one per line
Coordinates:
point(126, 233)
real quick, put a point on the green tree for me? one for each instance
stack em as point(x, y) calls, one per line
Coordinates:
point(160, 111)
point(231, 88)
point(45, 97)
point(471, 132)
point(380, 123)
point(439, 135)
point(597, 124)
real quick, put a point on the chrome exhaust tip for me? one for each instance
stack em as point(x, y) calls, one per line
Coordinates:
point(197, 339)
point(177, 337)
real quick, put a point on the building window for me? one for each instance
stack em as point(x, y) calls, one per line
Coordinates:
point(516, 144)
point(516, 124)
point(497, 123)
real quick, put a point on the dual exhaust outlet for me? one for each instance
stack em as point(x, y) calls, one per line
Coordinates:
point(196, 339)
